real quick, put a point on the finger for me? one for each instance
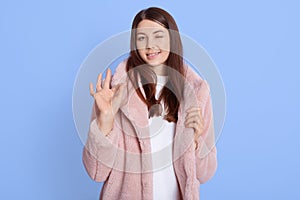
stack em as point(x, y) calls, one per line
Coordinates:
point(193, 113)
point(196, 128)
point(192, 120)
point(107, 79)
point(196, 121)
point(99, 86)
point(194, 109)
point(115, 88)
point(92, 89)
point(192, 125)
point(118, 88)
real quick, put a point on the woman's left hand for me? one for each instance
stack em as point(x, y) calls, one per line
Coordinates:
point(195, 120)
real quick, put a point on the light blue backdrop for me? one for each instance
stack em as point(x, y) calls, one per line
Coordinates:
point(255, 45)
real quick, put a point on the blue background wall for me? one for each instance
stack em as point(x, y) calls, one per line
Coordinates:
point(255, 45)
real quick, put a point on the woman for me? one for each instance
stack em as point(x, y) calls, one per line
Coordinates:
point(151, 133)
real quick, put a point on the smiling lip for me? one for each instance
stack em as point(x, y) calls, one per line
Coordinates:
point(151, 56)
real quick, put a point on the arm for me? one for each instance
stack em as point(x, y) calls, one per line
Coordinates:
point(205, 152)
point(101, 147)
point(100, 151)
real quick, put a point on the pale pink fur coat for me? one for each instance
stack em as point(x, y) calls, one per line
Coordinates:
point(123, 158)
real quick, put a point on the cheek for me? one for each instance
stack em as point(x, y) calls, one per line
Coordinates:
point(139, 46)
point(165, 55)
point(141, 52)
point(165, 45)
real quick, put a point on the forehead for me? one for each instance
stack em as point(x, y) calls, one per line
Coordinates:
point(147, 26)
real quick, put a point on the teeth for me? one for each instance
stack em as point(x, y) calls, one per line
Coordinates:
point(152, 54)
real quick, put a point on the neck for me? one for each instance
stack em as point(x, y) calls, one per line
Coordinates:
point(160, 70)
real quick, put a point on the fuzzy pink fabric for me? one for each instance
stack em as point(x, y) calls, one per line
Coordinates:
point(123, 158)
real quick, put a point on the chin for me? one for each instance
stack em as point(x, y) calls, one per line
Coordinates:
point(154, 64)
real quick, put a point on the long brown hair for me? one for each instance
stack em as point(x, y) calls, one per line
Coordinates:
point(173, 90)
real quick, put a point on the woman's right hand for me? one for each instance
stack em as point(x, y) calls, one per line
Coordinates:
point(108, 100)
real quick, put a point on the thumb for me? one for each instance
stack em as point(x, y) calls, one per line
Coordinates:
point(118, 88)
point(120, 91)
point(118, 95)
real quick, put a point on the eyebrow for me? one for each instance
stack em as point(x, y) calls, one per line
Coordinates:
point(158, 31)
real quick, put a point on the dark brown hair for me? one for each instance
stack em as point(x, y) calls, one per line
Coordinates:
point(172, 92)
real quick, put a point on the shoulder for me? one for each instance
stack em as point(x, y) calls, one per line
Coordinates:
point(122, 65)
point(197, 83)
point(193, 78)
point(120, 74)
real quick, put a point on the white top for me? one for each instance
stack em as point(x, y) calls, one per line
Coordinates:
point(162, 132)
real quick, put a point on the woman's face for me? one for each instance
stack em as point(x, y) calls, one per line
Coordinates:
point(153, 42)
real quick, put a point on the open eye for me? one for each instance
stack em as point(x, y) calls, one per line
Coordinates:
point(141, 38)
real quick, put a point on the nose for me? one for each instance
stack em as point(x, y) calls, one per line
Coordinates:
point(150, 43)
